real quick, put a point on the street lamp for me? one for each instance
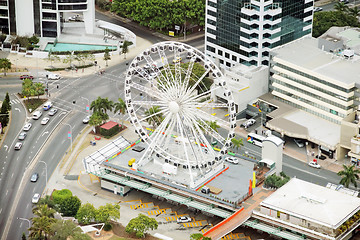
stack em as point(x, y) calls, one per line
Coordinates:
point(25, 219)
point(46, 176)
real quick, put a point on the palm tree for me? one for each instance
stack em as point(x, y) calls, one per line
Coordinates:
point(96, 120)
point(121, 108)
point(41, 227)
point(43, 211)
point(39, 89)
point(237, 143)
point(5, 64)
point(214, 126)
point(52, 58)
point(125, 47)
point(349, 175)
point(355, 11)
point(341, 7)
point(107, 56)
point(153, 116)
point(102, 105)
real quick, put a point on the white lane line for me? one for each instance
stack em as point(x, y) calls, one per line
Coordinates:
point(12, 175)
point(21, 224)
point(302, 170)
point(0, 211)
point(7, 191)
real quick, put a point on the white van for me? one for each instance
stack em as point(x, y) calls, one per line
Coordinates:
point(47, 106)
point(53, 76)
point(37, 115)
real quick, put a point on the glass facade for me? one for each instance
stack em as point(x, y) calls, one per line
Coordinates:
point(286, 23)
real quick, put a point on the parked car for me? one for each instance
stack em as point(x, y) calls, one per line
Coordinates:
point(34, 177)
point(22, 136)
point(299, 142)
point(318, 9)
point(18, 146)
point(52, 112)
point(321, 157)
point(183, 219)
point(45, 120)
point(27, 126)
point(314, 164)
point(86, 119)
point(232, 160)
point(22, 77)
point(248, 123)
point(35, 199)
point(36, 115)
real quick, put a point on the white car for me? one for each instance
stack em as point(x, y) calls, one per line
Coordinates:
point(35, 199)
point(37, 115)
point(52, 112)
point(87, 119)
point(22, 136)
point(314, 165)
point(18, 145)
point(249, 123)
point(318, 9)
point(183, 219)
point(45, 120)
point(27, 127)
point(232, 160)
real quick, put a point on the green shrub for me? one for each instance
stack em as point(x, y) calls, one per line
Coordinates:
point(110, 132)
point(275, 181)
point(78, 52)
point(107, 227)
point(60, 195)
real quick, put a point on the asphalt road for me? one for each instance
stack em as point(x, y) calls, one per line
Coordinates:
point(330, 6)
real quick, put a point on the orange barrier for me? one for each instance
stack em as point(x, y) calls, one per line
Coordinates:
point(212, 178)
point(223, 222)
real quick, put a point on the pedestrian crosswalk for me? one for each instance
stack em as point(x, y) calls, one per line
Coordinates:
point(160, 211)
point(142, 205)
point(14, 101)
point(200, 223)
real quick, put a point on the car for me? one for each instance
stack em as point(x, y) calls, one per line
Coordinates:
point(18, 145)
point(248, 123)
point(321, 157)
point(344, 1)
point(22, 136)
point(22, 77)
point(35, 199)
point(318, 9)
point(183, 219)
point(36, 115)
point(52, 112)
point(86, 119)
point(177, 59)
point(45, 120)
point(47, 106)
point(299, 142)
point(27, 126)
point(314, 164)
point(53, 76)
point(232, 160)
point(34, 177)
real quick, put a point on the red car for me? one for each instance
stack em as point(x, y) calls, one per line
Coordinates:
point(22, 77)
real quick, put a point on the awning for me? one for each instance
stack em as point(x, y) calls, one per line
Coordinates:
point(267, 161)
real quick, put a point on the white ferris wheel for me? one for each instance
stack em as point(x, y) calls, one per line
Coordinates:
point(169, 94)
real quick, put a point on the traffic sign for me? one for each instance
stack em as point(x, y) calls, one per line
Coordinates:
point(69, 135)
point(87, 108)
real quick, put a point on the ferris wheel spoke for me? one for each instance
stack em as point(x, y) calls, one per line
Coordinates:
point(199, 80)
point(210, 105)
point(153, 92)
point(211, 131)
point(153, 115)
point(197, 98)
point(149, 103)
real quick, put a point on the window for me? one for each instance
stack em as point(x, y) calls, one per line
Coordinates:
point(220, 52)
point(227, 55)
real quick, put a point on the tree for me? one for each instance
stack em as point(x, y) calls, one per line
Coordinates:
point(86, 213)
point(64, 229)
point(341, 7)
point(7, 101)
point(4, 116)
point(41, 227)
point(61, 195)
point(107, 56)
point(355, 11)
point(53, 58)
point(214, 126)
point(23, 237)
point(237, 143)
point(69, 59)
point(121, 108)
point(39, 89)
point(125, 48)
point(47, 201)
point(101, 105)
point(154, 116)
point(140, 225)
point(198, 236)
point(107, 212)
point(5, 65)
point(96, 120)
point(349, 175)
point(27, 88)
point(43, 210)
point(70, 206)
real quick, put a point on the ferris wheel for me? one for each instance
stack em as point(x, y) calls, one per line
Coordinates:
point(169, 94)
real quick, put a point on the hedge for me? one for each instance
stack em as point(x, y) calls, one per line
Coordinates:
point(79, 52)
point(59, 195)
point(107, 133)
point(61, 69)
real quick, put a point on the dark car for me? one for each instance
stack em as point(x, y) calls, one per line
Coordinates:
point(22, 77)
point(34, 177)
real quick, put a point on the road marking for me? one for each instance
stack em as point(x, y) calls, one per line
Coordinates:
point(21, 224)
point(0, 211)
point(12, 175)
point(7, 192)
point(6, 146)
point(31, 152)
point(45, 133)
point(302, 170)
point(17, 109)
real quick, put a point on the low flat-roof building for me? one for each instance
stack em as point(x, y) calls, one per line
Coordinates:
point(310, 210)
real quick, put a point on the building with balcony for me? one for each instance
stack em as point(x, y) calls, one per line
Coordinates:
point(244, 31)
point(311, 211)
point(45, 18)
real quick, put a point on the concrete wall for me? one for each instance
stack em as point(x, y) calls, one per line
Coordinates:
point(24, 18)
point(89, 17)
point(120, 189)
point(348, 130)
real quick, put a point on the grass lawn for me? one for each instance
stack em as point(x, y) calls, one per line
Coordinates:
point(33, 103)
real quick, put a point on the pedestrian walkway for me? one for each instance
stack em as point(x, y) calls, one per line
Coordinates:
point(231, 223)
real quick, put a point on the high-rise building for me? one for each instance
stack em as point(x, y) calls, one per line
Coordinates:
point(45, 18)
point(244, 31)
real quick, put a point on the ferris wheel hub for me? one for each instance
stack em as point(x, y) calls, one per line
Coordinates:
point(174, 107)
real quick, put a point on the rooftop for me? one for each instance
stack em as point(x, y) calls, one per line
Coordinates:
point(313, 202)
point(304, 53)
point(108, 125)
